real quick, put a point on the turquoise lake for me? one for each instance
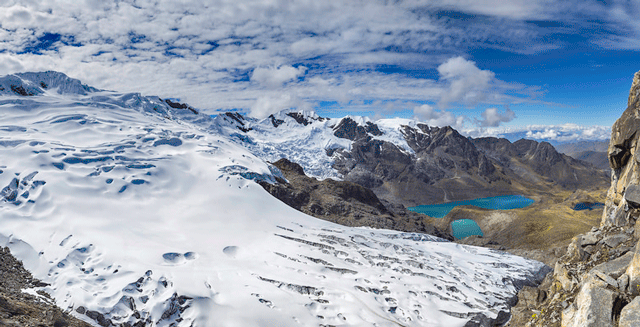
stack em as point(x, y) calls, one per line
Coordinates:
point(503, 202)
point(462, 228)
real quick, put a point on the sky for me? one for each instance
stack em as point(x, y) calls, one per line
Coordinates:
point(553, 70)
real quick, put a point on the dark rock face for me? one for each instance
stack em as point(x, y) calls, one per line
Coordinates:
point(237, 119)
point(275, 122)
point(447, 166)
point(347, 128)
point(20, 90)
point(343, 202)
point(302, 119)
point(21, 309)
point(177, 105)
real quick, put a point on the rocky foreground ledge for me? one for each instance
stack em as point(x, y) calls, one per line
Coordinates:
point(21, 309)
point(597, 282)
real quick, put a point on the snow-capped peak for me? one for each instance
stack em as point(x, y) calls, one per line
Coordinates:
point(30, 84)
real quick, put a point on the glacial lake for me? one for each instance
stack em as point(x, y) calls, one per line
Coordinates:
point(503, 202)
point(462, 228)
point(588, 206)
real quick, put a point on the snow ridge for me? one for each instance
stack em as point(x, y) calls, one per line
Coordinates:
point(30, 84)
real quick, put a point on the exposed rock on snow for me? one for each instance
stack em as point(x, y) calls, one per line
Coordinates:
point(21, 305)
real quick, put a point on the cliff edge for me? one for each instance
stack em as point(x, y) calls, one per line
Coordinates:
point(597, 281)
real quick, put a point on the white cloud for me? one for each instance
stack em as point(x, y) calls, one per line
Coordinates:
point(435, 117)
point(466, 82)
point(552, 133)
point(273, 77)
point(491, 117)
point(265, 105)
point(230, 54)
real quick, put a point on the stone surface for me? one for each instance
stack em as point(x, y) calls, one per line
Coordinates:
point(606, 278)
point(623, 282)
point(592, 308)
point(634, 273)
point(561, 274)
point(615, 240)
point(630, 314)
point(590, 238)
point(574, 250)
point(632, 195)
point(615, 268)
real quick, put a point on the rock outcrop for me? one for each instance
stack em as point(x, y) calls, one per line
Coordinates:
point(597, 282)
point(19, 308)
point(344, 202)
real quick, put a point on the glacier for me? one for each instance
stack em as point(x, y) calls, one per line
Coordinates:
point(136, 212)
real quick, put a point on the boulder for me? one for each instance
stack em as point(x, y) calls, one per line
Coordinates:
point(606, 278)
point(574, 250)
point(632, 196)
point(623, 282)
point(590, 238)
point(615, 268)
point(630, 315)
point(615, 240)
point(634, 273)
point(561, 274)
point(592, 308)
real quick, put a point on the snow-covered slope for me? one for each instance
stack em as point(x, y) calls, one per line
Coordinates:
point(136, 211)
point(302, 137)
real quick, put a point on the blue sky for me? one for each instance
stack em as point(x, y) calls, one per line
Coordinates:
point(559, 70)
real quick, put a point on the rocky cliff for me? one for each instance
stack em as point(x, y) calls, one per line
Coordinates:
point(597, 281)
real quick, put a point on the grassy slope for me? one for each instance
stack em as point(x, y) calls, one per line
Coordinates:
point(537, 231)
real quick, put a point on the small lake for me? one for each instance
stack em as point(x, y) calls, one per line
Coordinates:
point(462, 228)
point(503, 202)
point(588, 206)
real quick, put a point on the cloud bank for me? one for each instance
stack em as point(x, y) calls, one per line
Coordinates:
point(564, 133)
point(263, 55)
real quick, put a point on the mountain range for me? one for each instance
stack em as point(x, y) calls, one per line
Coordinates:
point(409, 163)
point(135, 210)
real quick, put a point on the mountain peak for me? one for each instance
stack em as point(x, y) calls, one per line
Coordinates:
point(35, 83)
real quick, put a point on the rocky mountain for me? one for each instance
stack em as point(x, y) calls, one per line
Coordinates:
point(598, 159)
point(342, 202)
point(593, 152)
point(581, 146)
point(597, 281)
point(409, 163)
